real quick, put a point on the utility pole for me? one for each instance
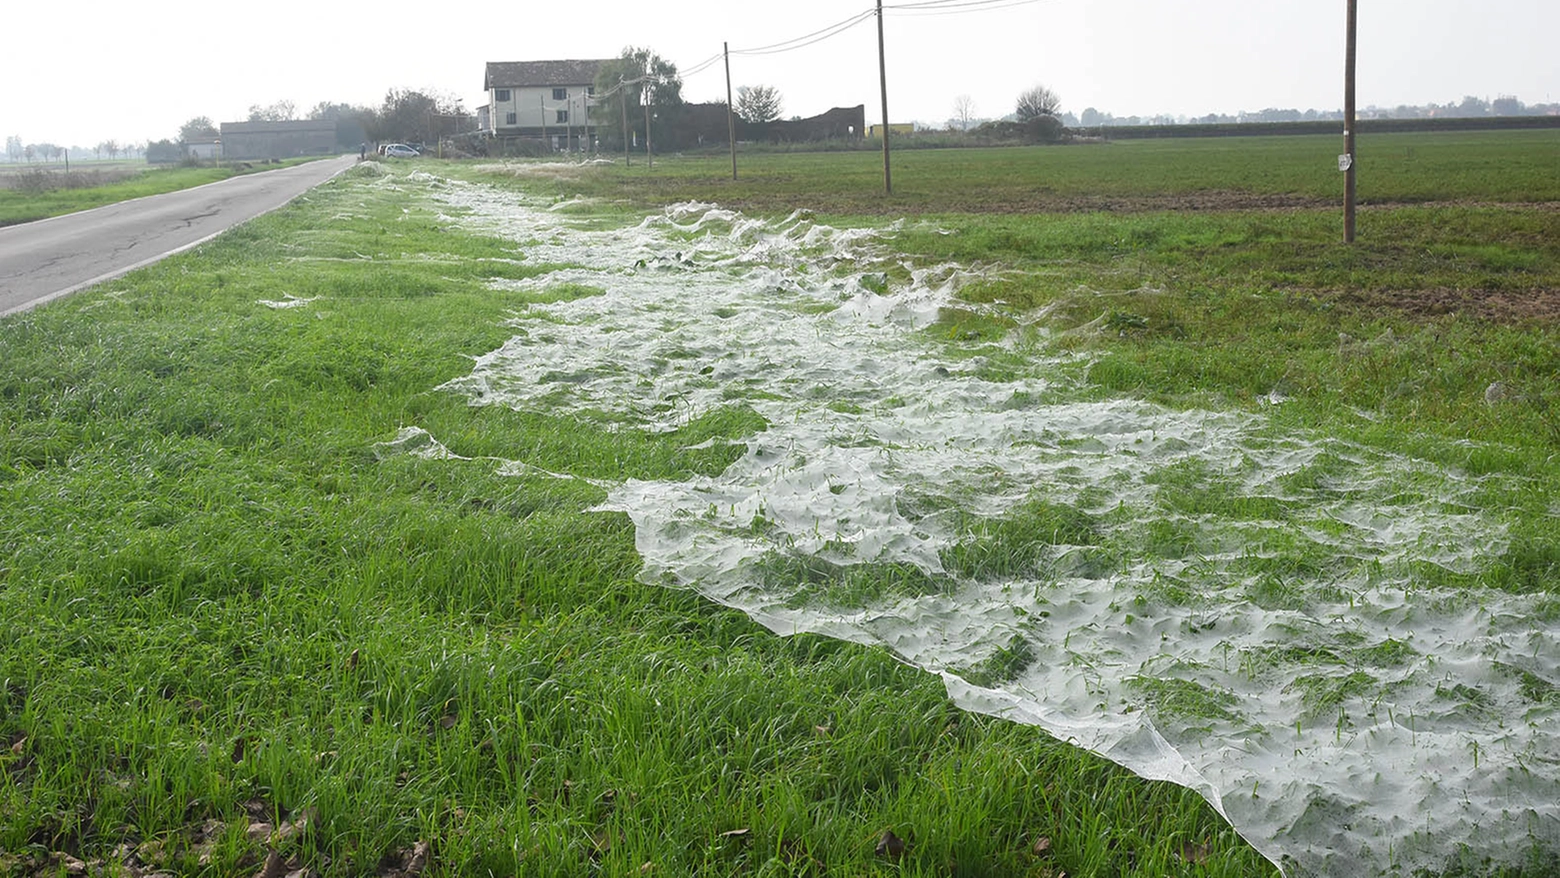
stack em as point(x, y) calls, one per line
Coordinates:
point(541, 101)
point(731, 117)
point(623, 103)
point(649, 155)
point(1347, 160)
point(888, 181)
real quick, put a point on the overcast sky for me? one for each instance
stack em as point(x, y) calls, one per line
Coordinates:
point(84, 73)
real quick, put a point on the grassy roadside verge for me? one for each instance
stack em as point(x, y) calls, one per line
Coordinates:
point(232, 611)
point(21, 207)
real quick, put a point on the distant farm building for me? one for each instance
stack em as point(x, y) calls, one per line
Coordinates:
point(279, 140)
point(206, 147)
point(706, 124)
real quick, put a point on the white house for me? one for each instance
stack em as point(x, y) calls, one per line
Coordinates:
point(543, 99)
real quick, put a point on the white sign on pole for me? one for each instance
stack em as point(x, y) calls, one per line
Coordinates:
point(1345, 162)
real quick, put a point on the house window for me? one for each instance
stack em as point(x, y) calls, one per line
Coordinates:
point(501, 95)
point(590, 90)
point(563, 116)
point(560, 94)
point(509, 118)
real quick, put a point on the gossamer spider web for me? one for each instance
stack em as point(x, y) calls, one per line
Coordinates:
point(1195, 595)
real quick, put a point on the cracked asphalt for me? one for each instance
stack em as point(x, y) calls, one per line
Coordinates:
point(47, 259)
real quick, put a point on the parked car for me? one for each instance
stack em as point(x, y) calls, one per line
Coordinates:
point(400, 151)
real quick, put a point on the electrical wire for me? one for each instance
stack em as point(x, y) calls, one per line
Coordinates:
point(961, 5)
point(999, 4)
point(806, 40)
point(926, 7)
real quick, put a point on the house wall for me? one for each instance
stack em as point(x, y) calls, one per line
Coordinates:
point(529, 104)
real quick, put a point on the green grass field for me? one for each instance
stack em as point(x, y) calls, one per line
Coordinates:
point(1138, 175)
point(219, 608)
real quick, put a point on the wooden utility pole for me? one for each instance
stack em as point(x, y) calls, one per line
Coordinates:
point(623, 103)
point(541, 101)
point(731, 116)
point(888, 181)
point(1348, 159)
point(649, 156)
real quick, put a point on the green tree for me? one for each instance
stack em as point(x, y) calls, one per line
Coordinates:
point(415, 116)
point(634, 78)
point(200, 126)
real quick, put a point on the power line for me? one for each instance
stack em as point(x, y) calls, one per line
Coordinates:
point(958, 7)
point(806, 40)
point(967, 5)
point(703, 65)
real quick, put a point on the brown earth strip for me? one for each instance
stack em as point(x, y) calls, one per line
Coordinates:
point(1498, 306)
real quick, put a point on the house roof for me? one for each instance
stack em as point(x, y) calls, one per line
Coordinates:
point(520, 74)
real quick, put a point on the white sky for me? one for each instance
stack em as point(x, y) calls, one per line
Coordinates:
point(84, 73)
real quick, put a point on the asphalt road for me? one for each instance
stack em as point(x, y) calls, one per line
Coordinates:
point(55, 257)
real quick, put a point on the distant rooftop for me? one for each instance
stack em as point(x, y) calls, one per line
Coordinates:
point(520, 74)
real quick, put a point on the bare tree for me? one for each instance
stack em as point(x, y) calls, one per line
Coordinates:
point(13, 147)
point(281, 111)
point(113, 148)
point(758, 104)
point(963, 111)
point(1037, 101)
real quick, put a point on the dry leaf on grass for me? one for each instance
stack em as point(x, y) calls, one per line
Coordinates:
point(890, 845)
point(298, 825)
point(1196, 854)
point(1042, 846)
point(405, 863)
point(275, 866)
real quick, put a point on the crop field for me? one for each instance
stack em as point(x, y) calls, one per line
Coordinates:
point(558, 519)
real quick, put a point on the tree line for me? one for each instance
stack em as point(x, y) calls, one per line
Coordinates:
point(17, 151)
point(405, 115)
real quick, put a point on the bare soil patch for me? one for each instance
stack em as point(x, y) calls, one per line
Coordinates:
point(1540, 305)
